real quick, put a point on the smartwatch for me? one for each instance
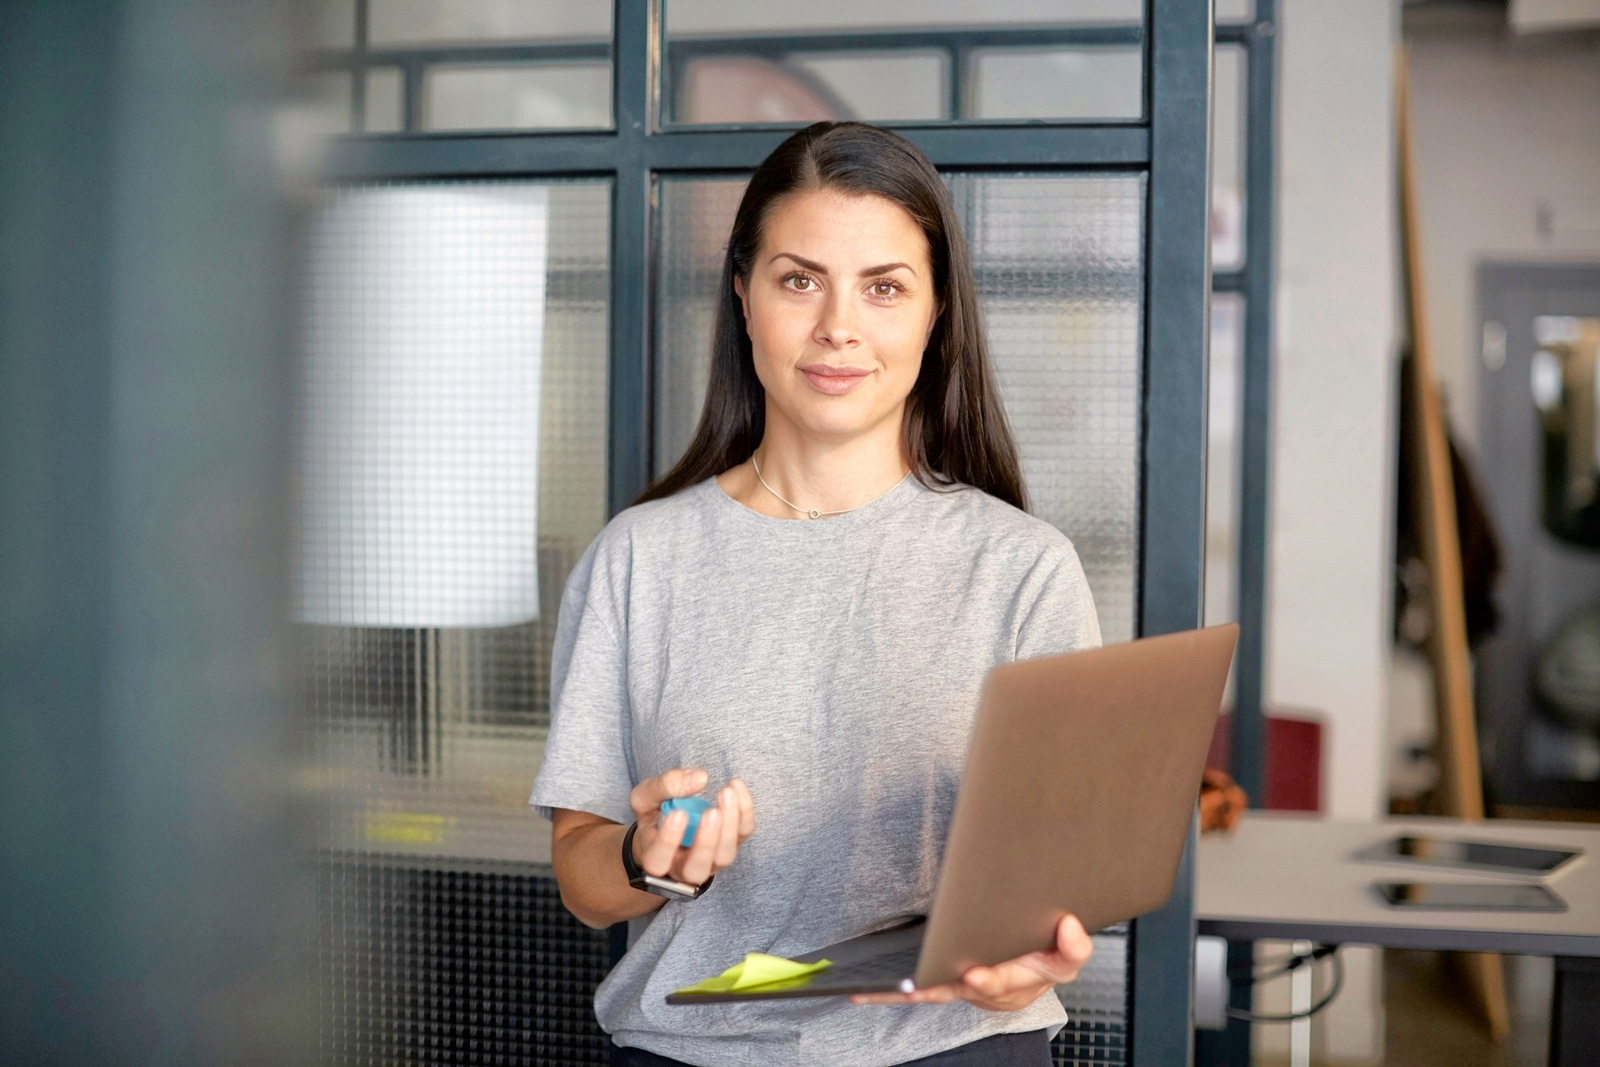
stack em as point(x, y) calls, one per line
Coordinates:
point(670, 888)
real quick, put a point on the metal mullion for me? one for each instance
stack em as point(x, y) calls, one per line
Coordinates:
point(395, 157)
point(412, 73)
point(588, 153)
point(956, 71)
point(1008, 147)
point(1172, 526)
point(634, 73)
point(913, 40)
point(1015, 147)
point(1247, 736)
point(1005, 147)
point(549, 52)
point(358, 71)
point(776, 46)
point(1247, 757)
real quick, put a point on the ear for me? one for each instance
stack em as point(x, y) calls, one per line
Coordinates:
point(744, 300)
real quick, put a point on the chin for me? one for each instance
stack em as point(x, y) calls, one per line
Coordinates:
point(834, 420)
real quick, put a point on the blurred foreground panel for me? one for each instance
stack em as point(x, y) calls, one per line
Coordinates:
point(150, 910)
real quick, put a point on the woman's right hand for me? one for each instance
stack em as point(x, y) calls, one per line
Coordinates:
point(723, 827)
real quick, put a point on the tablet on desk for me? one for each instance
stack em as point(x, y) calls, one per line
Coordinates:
point(1471, 896)
point(1469, 855)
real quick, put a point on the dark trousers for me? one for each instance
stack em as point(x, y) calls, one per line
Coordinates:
point(1003, 1050)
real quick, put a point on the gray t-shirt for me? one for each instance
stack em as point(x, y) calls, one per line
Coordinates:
point(833, 665)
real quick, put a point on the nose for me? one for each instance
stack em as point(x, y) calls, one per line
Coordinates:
point(836, 325)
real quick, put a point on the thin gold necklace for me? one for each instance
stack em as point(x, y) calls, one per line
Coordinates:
point(813, 513)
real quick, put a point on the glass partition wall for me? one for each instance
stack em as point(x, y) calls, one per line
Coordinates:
point(508, 299)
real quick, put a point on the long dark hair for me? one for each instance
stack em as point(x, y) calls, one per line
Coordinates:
point(955, 427)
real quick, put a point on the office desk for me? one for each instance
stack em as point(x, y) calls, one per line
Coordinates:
point(1291, 878)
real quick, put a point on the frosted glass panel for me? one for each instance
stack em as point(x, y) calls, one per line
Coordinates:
point(429, 711)
point(696, 216)
point(331, 23)
point(526, 96)
point(730, 62)
point(889, 86)
point(1058, 266)
point(329, 99)
point(422, 739)
point(1060, 83)
point(395, 23)
point(385, 108)
point(1228, 141)
point(1223, 456)
point(1235, 10)
point(450, 65)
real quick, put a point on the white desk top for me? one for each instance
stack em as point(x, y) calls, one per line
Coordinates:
point(1292, 877)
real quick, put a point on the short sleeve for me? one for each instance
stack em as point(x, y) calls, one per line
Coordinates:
point(1063, 617)
point(586, 758)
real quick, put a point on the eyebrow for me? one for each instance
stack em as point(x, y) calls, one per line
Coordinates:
point(884, 268)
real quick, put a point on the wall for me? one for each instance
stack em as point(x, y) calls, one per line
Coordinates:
point(1331, 519)
point(1334, 390)
point(1507, 141)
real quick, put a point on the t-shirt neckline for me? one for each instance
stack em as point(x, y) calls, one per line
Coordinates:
point(902, 493)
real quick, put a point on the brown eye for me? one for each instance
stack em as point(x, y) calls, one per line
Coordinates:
point(801, 283)
point(883, 289)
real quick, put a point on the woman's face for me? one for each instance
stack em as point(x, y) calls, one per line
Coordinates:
point(839, 307)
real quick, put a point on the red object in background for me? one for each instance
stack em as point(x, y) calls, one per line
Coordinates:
point(1293, 757)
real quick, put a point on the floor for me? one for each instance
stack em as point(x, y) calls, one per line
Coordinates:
point(1428, 1023)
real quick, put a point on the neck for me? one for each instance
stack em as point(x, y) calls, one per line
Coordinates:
point(825, 475)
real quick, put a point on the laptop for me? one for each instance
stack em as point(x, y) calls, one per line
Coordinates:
point(1078, 794)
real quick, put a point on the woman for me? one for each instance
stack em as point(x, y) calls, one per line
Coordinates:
point(800, 615)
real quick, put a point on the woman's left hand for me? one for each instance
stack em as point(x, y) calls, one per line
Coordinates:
point(1009, 986)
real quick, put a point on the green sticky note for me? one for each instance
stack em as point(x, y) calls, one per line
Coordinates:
point(757, 971)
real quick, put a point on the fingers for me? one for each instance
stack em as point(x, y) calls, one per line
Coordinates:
point(1061, 964)
point(647, 796)
point(1012, 985)
point(729, 840)
point(747, 808)
point(662, 847)
point(707, 838)
point(939, 994)
point(723, 827)
point(1073, 943)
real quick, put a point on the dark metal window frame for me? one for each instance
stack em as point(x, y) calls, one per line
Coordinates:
point(1254, 283)
point(1170, 144)
point(1247, 744)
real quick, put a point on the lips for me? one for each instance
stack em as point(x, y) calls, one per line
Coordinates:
point(833, 380)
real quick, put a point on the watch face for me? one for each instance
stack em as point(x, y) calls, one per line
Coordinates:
point(670, 888)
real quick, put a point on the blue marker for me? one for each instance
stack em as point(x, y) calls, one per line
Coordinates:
point(693, 806)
